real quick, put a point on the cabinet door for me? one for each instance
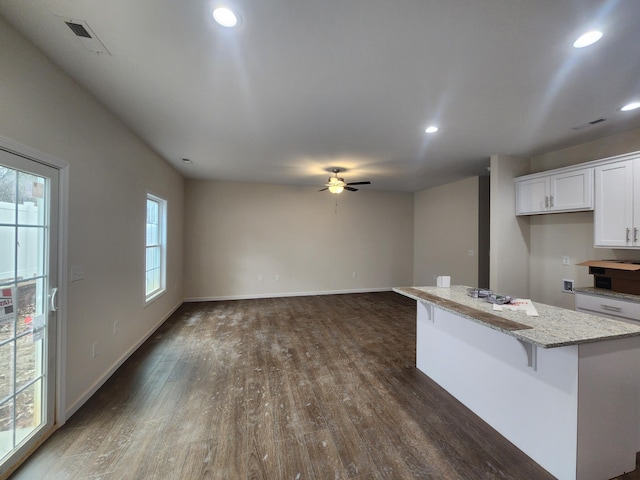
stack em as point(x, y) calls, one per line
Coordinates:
point(571, 190)
point(532, 196)
point(613, 219)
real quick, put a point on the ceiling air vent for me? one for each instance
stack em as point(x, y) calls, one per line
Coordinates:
point(589, 124)
point(83, 32)
point(78, 29)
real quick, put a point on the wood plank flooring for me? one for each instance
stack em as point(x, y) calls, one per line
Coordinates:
point(318, 387)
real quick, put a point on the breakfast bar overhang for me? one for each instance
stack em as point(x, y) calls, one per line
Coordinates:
point(563, 386)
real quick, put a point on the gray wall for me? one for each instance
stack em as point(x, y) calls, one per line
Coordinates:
point(446, 228)
point(509, 253)
point(237, 232)
point(110, 171)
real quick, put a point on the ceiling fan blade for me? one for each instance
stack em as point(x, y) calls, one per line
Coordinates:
point(323, 189)
point(359, 183)
point(351, 189)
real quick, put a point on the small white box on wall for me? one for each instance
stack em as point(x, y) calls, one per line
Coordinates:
point(443, 281)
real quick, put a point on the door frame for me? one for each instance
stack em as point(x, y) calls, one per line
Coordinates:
point(60, 416)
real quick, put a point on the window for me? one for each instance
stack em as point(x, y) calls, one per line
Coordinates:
point(155, 270)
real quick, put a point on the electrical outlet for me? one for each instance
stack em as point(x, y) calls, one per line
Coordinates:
point(115, 328)
point(94, 350)
point(354, 274)
point(566, 260)
point(470, 252)
point(567, 285)
point(277, 278)
point(260, 278)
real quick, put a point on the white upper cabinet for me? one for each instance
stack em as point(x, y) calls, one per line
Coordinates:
point(617, 211)
point(532, 196)
point(555, 191)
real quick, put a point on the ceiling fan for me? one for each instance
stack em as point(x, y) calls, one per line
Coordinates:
point(337, 184)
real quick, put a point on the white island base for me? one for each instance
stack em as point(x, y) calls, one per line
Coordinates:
point(573, 409)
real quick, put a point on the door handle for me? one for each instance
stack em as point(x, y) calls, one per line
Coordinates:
point(611, 309)
point(551, 201)
point(546, 202)
point(53, 296)
point(635, 235)
point(628, 232)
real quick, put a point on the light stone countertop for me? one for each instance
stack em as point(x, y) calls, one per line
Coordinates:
point(553, 327)
point(600, 292)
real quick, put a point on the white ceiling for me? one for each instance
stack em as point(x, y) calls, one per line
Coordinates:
point(305, 85)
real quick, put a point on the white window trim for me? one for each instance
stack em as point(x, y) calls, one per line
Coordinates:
point(162, 220)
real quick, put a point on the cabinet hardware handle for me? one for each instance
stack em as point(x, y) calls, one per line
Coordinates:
point(635, 235)
point(611, 309)
point(551, 201)
point(546, 202)
point(628, 232)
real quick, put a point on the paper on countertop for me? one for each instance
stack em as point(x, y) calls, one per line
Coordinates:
point(497, 308)
point(523, 304)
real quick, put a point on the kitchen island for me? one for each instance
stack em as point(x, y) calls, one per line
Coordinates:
point(563, 386)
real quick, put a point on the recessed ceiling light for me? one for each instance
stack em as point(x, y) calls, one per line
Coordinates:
point(630, 106)
point(225, 17)
point(587, 39)
point(431, 129)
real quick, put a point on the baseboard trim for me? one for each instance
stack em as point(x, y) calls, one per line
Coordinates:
point(285, 294)
point(94, 388)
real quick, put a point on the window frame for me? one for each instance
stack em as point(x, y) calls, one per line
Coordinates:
point(150, 296)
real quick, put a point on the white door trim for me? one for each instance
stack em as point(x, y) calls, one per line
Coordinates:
point(61, 324)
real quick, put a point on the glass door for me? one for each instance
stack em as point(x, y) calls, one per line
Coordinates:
point(28, 276)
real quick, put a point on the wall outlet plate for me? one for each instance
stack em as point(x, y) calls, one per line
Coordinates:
point(77, 273)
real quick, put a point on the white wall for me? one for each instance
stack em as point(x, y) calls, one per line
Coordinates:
point(235, 232)
point(509, 256)
point(570, 234)
point(445, 226)
point(110, 170)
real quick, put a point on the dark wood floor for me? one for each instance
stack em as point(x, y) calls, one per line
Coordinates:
point(320, 387)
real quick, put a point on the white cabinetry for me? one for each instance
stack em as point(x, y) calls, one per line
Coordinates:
point(617, 212)
point(608, 307)
point(555, 191)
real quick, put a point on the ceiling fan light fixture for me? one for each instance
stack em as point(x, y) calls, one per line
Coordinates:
point(336, 184)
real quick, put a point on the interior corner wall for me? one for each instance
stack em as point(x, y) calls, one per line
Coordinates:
point(509, 235)
point(571, 234)
point(445, 232)
point(110, 171)
point(247, 240)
